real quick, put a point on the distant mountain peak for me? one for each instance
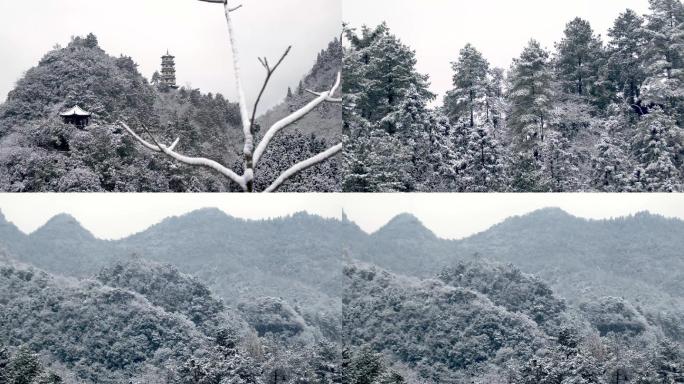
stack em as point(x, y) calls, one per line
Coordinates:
point(207, 211)
point(405, 225)
point(62, 224)
point(550, 211)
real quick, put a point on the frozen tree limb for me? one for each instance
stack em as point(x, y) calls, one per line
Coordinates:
point(301, 166)
point(247, 130)
point(275, 128)
point(329, 99)
point(155, 148)
point(199, 161)
point(250, 154)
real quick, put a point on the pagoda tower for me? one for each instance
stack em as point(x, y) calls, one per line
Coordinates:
point(168, 76)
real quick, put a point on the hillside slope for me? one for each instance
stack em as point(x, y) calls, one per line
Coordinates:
point(39, 153)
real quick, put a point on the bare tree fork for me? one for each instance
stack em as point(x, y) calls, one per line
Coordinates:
point(269, 73)
point(329, 99)
point(251, 155)
point(303, 165)
point(156, 148)
point(197, 161)
point(293, 117)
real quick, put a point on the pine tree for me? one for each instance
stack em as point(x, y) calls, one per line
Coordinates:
point(390, 164)
point(625, 62)
point(561, 164)
point(382, 69)
point(579, 59)
point(526, 172)
point(484, 167)
point(664, 57)
point(611, 166)
point(530, 95)
point(494, 102)
point(414, 127)
point(658, 145)
point(470, 84)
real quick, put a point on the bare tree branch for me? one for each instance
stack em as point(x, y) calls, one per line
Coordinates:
point(169, 151)
point(251, 155)
point(275, 128)
point(145, 143)
point(248, 148)
point(302, 165)
point(329, 99)
point(269, 73)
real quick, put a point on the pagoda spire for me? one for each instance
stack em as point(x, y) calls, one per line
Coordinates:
point(168, 76)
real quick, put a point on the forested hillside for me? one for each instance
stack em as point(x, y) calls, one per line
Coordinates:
point(480, 324)
point(142, 322)
point(38, 152)
point(532, 299)
point(300, 263)
point(593, 114)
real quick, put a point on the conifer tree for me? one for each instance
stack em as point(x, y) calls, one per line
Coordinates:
point(384, 72)
point(484, 167)
point(494, 102)
point(664, 56)
point(530, 95)
point(610, 165)
point(579, 58)
point(561, 164)
point(470, 84)
point(657, 147)
point(625, 61)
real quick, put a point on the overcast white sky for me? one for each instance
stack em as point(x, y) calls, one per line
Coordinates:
point(448, 215)
point(195, 32)
point(438, 29)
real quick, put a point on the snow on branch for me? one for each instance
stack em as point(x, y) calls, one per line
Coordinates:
point(199, 161)
point(251, 155)
point(301, 166)
point(261, 148)
point(329, 99)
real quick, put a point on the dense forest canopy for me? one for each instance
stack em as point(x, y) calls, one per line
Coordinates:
point(38, 152)
point(593, 114)
point(534, 299)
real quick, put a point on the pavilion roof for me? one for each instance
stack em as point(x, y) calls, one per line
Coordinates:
point(75, 111)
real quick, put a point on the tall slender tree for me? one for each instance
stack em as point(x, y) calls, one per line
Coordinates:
point(664, 57)
point(625, 61)
point(470, 84)
point(530, 94)
point(579, 58)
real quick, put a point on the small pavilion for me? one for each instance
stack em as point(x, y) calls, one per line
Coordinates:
point(76, 116)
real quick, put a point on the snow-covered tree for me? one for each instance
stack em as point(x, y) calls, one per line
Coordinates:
point(625, 61)
point(561, 164)
point(525, 171)
point(658, 147)
point(495, 103)
point(484, 163)
point(379, 70)
point(579, 57)
point(610, 164)
point(530, 95)
point(470, 85)
point(664, 57)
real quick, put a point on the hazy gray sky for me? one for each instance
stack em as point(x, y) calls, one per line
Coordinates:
point(438, 29)
point(448, 215)
point(195, 32)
